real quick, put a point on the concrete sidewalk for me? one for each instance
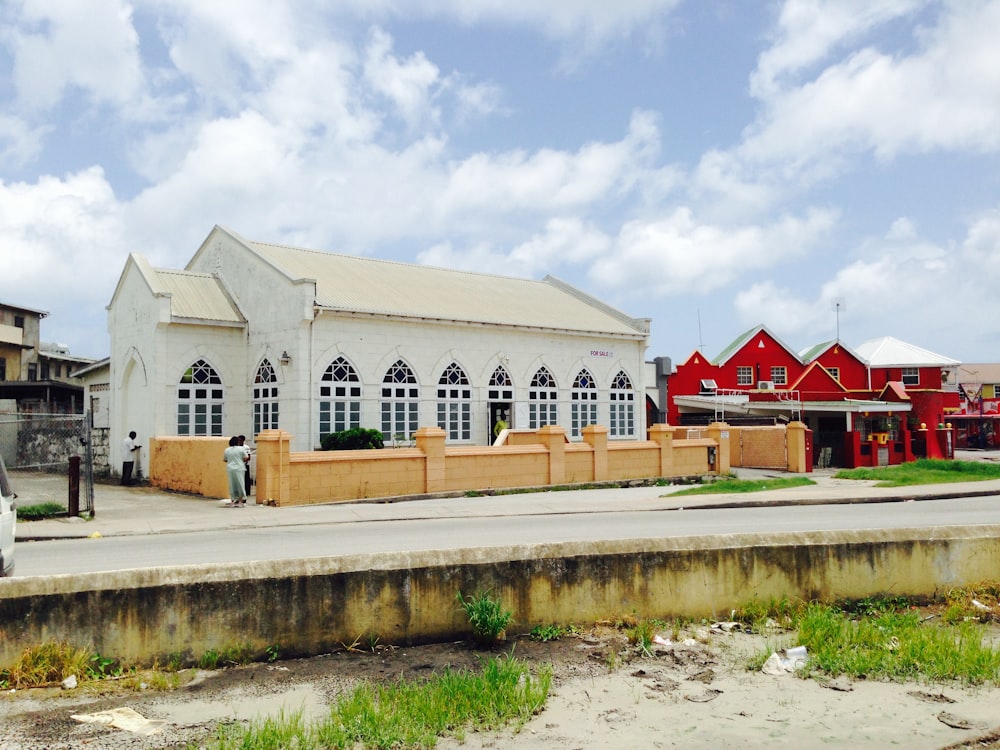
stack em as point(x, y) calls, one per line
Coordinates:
point(144, 510)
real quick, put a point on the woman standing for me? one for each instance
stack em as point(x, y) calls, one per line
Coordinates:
point(235, 458)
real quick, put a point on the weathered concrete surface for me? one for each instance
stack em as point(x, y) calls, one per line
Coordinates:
point(311, 606)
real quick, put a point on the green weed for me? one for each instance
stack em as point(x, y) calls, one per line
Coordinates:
point(487, 617)
point(40, 511)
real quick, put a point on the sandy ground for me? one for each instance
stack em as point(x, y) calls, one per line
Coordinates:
point(697, 695)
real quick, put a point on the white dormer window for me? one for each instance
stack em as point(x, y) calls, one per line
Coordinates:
point(911, 376)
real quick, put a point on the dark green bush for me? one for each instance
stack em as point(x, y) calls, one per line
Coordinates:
point(354, 439)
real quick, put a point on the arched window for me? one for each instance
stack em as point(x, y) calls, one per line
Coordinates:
point(265, 398)
point(501, 388)
point(339, 398)
point(400, 402)
point(200, 397)
point(583, 403)
point(543, 407)
point(622, 407)
point(454, 403)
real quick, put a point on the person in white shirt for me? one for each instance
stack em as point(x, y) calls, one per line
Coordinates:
point(129, 448)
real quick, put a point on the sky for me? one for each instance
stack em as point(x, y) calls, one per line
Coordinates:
point(823, 168)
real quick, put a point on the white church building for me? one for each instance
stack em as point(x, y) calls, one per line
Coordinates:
point(253, 336)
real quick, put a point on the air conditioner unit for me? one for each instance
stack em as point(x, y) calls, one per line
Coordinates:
point(765, 385)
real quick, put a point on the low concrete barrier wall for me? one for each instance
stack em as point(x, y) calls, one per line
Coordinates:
point(307, 607)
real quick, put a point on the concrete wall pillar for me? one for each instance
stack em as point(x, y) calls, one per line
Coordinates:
point(431, 440)
point(596, 436)
point(553, 437)
point(719, 432)
point(795, 446)
point(273, 473)
point(663, 436)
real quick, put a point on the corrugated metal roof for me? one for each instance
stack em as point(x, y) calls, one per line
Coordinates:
point(197, 296)
point(381, 287)
point(891, 352)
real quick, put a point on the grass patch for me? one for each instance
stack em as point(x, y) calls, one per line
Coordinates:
point(728, 486)
point(890, 637)
point(40, 511)
point(925, 471)
point(406, 713)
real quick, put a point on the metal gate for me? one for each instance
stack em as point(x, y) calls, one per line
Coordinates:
point(37, 449)
point(763, 447)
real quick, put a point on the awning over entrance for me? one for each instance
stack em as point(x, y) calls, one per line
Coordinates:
point(745, 405)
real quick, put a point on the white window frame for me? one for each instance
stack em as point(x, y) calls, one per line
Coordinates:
point(910, 375)
point(744, 375)
point(583, 403)
point(400, 403)
point(779, 375)
point(543, 399)
point(339, 398)
point(622, 397)
point(265, 398)
point(501, 387)
point(454, 404)
point(834, 373)
point(201, 398)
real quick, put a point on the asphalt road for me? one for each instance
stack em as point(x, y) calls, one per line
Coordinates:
point(44, 558)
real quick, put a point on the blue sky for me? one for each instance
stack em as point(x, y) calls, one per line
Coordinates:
point(708, 164)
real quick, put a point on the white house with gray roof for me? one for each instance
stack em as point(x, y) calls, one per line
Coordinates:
point(251, 336)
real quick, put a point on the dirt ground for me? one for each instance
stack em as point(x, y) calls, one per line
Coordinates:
point(692, 694)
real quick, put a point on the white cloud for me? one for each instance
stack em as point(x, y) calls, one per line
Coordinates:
point(680, 255)
point(409, 84)
point(940, 96)
point(808, 30)
point(92, 46)
point(900, 285)
point(20, 143)
point(64, 234)
point(552, 180)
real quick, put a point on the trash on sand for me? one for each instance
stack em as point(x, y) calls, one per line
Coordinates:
point(123, 718)
point(958, 722)
point(930, 697)
point(659, 640)
point(69, 683)
point(726, 627)
point(979, 605)
point(709, 695)
point(793, 659)
point(841, 684)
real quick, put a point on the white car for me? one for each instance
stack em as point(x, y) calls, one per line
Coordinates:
point(8, 519)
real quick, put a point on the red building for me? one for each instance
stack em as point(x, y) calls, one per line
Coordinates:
point(977, 418)
point(880, 404)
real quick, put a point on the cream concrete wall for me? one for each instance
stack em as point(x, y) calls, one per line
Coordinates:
point(286, 477)
point(190, 464)
point(308, 607)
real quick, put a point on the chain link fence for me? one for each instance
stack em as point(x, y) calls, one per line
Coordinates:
point(37, 449)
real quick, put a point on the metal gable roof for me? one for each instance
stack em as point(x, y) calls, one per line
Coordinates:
point(196, 296)
point(891, 352)
point(381, 287)
point(740, 341)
